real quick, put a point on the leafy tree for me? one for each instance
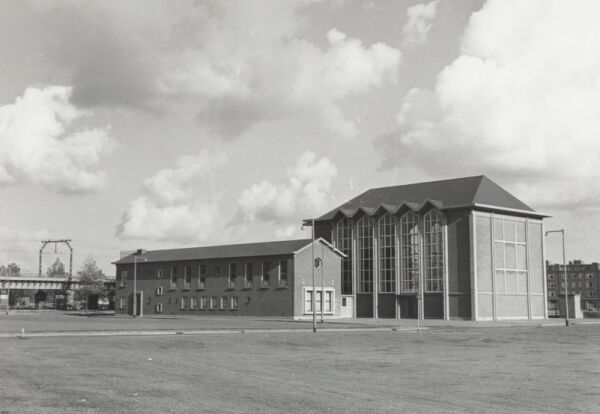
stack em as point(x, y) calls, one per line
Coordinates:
point(57, 269)
point(91, 281)
point(12, 268)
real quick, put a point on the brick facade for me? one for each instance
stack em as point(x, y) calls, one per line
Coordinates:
point(583, 279)
point(177, 287)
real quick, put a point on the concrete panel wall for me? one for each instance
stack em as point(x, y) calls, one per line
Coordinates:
point(536, 270)
point(483, 237)
point(434, 305)
point(459, 264)
point(386, 305)
point(511, 306)
point(331, 272)
point(460, 306)
point(408, 306)
point(364, 305)
point(509, 294)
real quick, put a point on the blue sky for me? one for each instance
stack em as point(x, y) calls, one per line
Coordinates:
point(160, 124)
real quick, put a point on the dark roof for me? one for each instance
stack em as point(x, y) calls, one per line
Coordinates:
point(467, 192)
point(271, 248)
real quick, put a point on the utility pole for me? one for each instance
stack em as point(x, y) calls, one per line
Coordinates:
point(314, 296)
point(322, 283)
point(135, 257)
point(67, 284)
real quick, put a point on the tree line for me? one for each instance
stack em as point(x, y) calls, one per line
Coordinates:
point(90, 276)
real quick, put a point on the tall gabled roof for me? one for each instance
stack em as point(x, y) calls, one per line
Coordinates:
point(271, 248)
point(467, 192)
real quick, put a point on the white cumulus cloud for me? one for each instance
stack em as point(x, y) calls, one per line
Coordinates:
point(178, 204)
point(419, 23)
point(37, 147)
point(521, 103)
point(303, 194)
point(249, 71)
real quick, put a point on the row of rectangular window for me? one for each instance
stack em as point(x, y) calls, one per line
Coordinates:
point(571, 275)
point(573, 284)
point(248, 281)
point(590, 293)
point(204, 302)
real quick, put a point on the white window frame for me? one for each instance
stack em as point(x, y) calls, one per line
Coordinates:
point(308, 311)
point(214, 302)
point(187, 279)
point(158, 308)
point(123, 281)
point(283, 283)
point(265, 284)
point(159, 274)
point(193, 302)
point(122, 303)
point(159, 290)
point(235, 302)
point(248, 276)
point(224, 302)
point(201, 275)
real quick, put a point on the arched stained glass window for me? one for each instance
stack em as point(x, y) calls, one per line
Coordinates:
point(365, 254)
point(409, 242)
point(343, 236)
point(387, 253)
point(434, 251)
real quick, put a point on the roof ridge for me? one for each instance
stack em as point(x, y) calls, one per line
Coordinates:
point(230, 245)
point(425, 182)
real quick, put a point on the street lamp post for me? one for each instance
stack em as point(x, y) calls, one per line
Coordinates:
point(314, 289)
point(562, 232)
point(314, 295)
point(322, 283)
point(135, 257)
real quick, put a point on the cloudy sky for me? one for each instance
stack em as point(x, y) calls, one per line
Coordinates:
point(127, 124)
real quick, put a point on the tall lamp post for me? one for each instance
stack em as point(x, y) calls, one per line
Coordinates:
point(314, 289)
point(562, 232)
point(136, 256)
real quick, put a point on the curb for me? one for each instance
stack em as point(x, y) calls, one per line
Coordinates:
point(24, 335)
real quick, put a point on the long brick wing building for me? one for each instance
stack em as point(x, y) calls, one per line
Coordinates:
point(259, 279)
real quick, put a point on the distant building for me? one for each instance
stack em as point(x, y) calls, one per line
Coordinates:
point(583, 279)
point(256, 279)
